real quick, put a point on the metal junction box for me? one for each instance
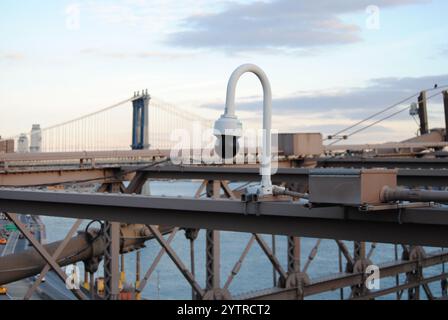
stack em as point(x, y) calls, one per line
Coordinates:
point(300, 144)
point(349, 186)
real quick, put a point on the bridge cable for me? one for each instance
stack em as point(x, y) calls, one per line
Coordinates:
point(380, 120)
point(385, 109)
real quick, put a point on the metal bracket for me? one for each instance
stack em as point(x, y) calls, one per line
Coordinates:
point(395, 206)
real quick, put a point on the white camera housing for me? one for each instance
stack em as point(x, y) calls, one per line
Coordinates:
point(227, 131)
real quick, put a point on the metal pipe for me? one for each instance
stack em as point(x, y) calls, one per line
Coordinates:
point(279, 191)
point(28, 263)
point(401, 194)
point(266, 184)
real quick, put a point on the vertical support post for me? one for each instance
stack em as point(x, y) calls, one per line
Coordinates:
point(213, 259)
point(423, 113)
point(137, 274)
point(135, 124)
point(293, 255)
point(140, 129)
point(112, 251)
point(341, 290)
point(359, 265)
point(92, 286)
point(415, 253)
point(296, 278)
point(445, 106)
point(111, 260)
point(213, 254)
point(274, 252)
point(213, 245)
point(191, 235)
point(86, 283)
point(359, 250)
point(122, 269)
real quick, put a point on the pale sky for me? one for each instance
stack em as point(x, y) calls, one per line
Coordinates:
point(330, 62)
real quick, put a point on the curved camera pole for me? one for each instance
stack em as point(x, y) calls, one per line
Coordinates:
point(265, 171)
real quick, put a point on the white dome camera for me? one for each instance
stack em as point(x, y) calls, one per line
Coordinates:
point(227, 130)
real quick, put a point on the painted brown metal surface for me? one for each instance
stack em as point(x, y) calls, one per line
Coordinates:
point(426, 226)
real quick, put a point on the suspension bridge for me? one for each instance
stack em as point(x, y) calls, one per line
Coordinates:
point(115, 127)
point(359, 211)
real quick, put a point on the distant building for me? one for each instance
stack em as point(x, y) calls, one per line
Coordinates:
point(6, 146)
point(23, 145)
point(36, 139)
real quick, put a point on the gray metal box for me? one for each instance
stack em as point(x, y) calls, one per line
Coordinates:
point(349, 186)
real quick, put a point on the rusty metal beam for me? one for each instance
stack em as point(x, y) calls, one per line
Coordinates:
point(406, 177)
point(41, 250)
point(239, 263)
point(406, 286)
point(156, 261)
point(49, 176)
point(55, 256)
point(272, 258)
point(325, 284)
point(392, 163)
point(83, 156)
point(426, 226)
point(177, 261)
point(111, 260)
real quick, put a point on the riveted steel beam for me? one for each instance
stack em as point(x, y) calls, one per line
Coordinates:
point(425, 226)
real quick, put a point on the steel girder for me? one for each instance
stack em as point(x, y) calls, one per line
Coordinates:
point(422, 226)
point(406, 177)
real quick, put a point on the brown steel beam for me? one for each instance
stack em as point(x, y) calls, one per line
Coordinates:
point(41, 250)
point(156, 261)
point(111, 260)
point(325, 284)
point(427, 226)
point(29, 178)
point(391, 163)
point(405, 177)
point(406, 286)
point(55, 256)
point(83, 156)
point(136, 184)
point(177, 261)
point(272, 258)
point(239, 263)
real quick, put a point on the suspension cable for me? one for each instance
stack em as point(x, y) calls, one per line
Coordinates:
point(381, 120)
point(386, 109)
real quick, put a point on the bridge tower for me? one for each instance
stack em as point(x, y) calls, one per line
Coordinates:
point(140, 116)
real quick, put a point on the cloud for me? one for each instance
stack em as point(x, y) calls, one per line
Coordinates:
point(281, 24)
point(138, 55)
point(155, 16)
point(354, 102)
point(12, 56)
point(331, 111)
point(444, 52)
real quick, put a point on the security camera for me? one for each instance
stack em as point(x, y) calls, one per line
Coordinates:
point(227, 147)
point(227, 131)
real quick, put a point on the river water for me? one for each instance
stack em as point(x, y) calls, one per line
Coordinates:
point(256, 272)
